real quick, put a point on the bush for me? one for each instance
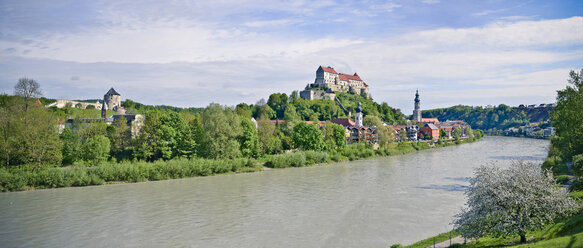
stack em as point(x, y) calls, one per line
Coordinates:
point(562, 179)
point(577, 166)
point(576, 184)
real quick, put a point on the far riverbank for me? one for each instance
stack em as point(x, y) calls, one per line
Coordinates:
point(29, 178)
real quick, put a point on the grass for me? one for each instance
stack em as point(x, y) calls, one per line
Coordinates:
point(429, 242)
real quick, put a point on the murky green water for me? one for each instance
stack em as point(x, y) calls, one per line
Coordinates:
point(368, 203)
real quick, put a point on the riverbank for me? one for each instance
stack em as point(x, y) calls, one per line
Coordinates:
point(28, 178)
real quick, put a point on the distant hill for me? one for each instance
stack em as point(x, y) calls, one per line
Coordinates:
point(499, 117)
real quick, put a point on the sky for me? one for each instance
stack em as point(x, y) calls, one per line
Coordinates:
point(191, 53)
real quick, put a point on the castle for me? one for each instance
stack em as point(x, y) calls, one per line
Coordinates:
point(329, 80)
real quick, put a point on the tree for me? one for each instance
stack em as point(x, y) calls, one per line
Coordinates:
point(578, 165)
point(96, 149)
point(10, 130)
point(567, 117)
point(469, 132)
point(403, 135)
point(511, 201)
point(119, 135)
point(40, 137)
point(457, 133)
point(442, 134)
point(268, 137)
point(308, 137)
point(334, 135)
point(223, 128)
point(71, 146)
point(250, 146)
point(27, 88)
point(385, 134)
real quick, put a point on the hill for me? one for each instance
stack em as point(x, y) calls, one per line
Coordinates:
point(499, 117)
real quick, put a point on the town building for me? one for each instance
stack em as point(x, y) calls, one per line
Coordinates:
point(328, 81)
point(431, 130)
point(61, 103)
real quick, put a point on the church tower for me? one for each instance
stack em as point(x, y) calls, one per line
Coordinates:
point(417, 111)
point(358, 116)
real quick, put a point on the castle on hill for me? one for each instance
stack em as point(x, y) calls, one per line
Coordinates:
point(329, 81)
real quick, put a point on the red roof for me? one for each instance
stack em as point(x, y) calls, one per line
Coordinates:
point(343, 121)
point(346, 77)
point(429, 120)
point(328, 69)
point(398, 127)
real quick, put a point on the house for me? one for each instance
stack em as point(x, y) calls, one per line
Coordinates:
point(431, 130)
point(135, 122)
point(411, 131)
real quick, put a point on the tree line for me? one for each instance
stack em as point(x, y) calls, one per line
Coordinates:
point(30, 132)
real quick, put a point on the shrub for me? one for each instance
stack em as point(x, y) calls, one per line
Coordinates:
point(577, 166)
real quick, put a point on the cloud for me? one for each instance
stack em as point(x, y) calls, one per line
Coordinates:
point(430, 1)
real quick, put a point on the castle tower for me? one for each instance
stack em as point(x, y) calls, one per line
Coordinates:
point(358, 116)
point(112, 100)
point(417, 111)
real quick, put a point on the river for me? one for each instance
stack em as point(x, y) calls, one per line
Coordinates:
point(367, 203)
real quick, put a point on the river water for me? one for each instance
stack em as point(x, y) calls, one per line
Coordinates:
point(366, 203)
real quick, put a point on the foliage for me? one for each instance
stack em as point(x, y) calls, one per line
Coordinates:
point(96, 149)
point(511, 202)
point(334, 136)
point(223, 127)
point(250, 146)
point(308, 137)
point(567, 117)
point(385, 134)
point(268, 135)
point(577, 165)
point(457, 133)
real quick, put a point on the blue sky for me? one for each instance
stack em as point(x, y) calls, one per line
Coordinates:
point(190, 53)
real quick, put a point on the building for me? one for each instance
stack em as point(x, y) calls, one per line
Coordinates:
point(358, 116)
point(417, 110)
point(410, 130)
point(135, 122)
point(329, 80)
point(112, 100)
point(61, 103)
point(431, 130)
point(433, 121)
point(312, 94)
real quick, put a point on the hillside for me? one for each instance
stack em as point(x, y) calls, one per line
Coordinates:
point(499, 117)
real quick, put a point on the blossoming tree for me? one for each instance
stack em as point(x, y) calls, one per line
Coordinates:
point(511, 201)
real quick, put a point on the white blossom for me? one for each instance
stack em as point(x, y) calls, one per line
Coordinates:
point(511, 201)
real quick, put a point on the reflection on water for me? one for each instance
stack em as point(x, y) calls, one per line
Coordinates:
point(368, 203)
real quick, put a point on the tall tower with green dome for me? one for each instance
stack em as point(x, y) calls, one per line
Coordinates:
point(417, 111)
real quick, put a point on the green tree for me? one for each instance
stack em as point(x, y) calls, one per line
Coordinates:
point(385, 134)
point(457, 133)
point(41, 139)
point(308, 137)
point(442, 134)
point(250, 146)
point(10, 130)
point(469, 132)
point(268, 135)
point(568, 116)
point(96, 149)
point(403, 135)
point(120, 136)
point(334, 135)
point(71, 146)
point(223, 128)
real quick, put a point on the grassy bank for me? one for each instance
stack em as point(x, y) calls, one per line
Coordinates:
point(27, 177)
